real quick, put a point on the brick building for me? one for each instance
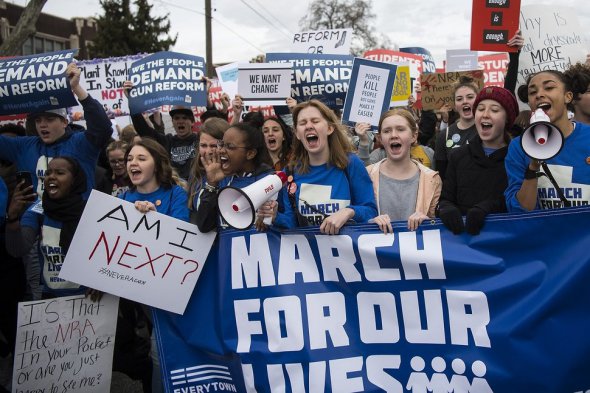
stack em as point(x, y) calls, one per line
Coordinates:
point(53, 33)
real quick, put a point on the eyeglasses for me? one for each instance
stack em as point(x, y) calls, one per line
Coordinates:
point(117, 162)
point(229, 146)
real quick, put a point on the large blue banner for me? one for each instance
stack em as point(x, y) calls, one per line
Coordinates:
point(167, 78)
point(323, 77)
point(298, 311)
point(36, 83)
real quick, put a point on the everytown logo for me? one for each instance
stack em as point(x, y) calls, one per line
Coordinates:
point(205, 372)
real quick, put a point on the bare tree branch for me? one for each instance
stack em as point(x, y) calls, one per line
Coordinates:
point(25, 28)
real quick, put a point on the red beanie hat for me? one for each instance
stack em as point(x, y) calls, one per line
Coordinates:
point(503, 97)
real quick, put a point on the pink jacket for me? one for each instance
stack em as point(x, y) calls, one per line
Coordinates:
point(429, 187)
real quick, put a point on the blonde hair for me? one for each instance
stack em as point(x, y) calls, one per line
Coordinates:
point(127, 134)
point(338, 142)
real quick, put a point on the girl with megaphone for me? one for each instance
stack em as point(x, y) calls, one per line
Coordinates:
point(564, 179)
point(241, 159)
point(476, 178)
point(328, 183)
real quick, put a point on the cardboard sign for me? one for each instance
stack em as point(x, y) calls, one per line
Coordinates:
point(369, 95)
point(167, 78)
point(264, 83)
point(150, 258)
point(437, 88)
point(324, 77)
point(334, 41)
point(461, 60)
point(103, 80)
point(65, 344)
point(493, 23)
point(35, 83)
point(494, 68)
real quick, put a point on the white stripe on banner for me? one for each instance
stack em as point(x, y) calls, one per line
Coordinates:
point(210, 377)
point(207, 372)
point(207, 366)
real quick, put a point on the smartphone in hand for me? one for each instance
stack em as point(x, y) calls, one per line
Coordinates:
point(27, 178)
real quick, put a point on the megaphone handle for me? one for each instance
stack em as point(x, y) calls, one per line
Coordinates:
point(549, 175)
point(268, 220)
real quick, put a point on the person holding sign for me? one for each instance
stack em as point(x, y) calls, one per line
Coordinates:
point(329, 185)
point(56, 138)
point(476, 177)
point(404, 188)
point(529, 188)
point(241, 159)
point(152, 185)
point(54, 223)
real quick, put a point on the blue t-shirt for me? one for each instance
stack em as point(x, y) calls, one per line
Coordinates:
point(570, 168)
point(169, 201)
point(328, 189)
point(51, 257)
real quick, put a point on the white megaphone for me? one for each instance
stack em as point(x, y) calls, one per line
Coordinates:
point(541, 140)
point(238, 206)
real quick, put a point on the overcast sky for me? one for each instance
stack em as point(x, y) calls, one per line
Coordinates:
point(240, 33)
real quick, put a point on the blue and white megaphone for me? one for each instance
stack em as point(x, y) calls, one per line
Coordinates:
point(541, 140)
point(238, 206)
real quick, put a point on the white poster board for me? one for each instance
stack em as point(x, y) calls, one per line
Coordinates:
point(149, 258)
point(461, 60)
point(334, 42)
point(65, 344)
point(227, 75)
point(554, 40)
point(264, 83)
point(369, 94)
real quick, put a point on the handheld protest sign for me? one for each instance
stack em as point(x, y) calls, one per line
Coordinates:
point(264, 83)
point(437, 88)
point(149, 258)
point(65, 344)
point(103, 80)
point(369, 94)
point(461, 60)
point(493, 23)
point(323, 77)
point(494, 68)
point(167, 78)
point(36, 83)
point(333, 41)
point(227, 75)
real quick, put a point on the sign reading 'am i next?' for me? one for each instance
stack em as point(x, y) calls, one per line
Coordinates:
point(264, 83)
point(369, 95)
point(167, 78)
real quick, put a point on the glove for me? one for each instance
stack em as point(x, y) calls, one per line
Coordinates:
point(451, 217)
point(474, 220)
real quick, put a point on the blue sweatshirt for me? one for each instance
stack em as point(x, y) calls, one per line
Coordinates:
point(169, 201)
point(329, 189)
point(3, 201)
point(29, 153)
point(570, 168)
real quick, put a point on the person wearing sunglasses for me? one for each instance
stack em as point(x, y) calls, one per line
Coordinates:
point(241, 159)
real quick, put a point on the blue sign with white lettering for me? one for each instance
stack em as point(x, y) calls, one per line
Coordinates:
point(167, 78)
point(323, 77)
point(298, 311)
point(36, 83)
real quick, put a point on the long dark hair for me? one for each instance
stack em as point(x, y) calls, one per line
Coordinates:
point(255, 140)
point(287, 138)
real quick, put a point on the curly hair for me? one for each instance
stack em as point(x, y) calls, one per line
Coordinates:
point(162, 165)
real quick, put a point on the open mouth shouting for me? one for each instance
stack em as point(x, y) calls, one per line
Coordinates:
point(272, 143)
point(466, 110)
point(312, 139)
point(225, 163)
point(545, 106)
point(135, 175)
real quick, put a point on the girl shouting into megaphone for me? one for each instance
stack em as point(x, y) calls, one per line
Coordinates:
point(564, 179)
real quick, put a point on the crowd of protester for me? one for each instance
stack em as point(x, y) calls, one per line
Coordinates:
point(459, 171)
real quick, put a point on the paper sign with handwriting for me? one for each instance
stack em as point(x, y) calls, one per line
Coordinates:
point(150, 258)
